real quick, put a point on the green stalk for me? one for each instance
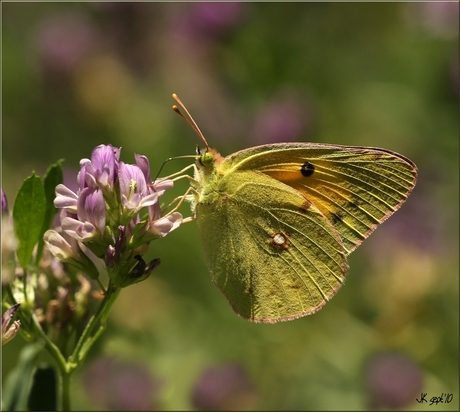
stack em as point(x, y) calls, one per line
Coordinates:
point(86, 341)
point(100, 317)
point(64, 389)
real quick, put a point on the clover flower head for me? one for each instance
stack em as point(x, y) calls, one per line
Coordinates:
point(114, 214)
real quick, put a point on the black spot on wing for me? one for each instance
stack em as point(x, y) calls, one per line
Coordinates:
point(307, 169)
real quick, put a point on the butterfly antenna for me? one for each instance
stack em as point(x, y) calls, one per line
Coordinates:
point(188, 119)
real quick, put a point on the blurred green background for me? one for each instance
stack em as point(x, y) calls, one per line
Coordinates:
point(373, 74)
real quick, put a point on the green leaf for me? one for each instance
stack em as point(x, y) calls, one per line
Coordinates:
point(28, 214)
point(43, 393)
point(53, 177)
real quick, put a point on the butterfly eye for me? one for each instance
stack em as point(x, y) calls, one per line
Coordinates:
point(207, 159)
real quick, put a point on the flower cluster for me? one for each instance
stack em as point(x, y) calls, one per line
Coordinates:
point(114, 216)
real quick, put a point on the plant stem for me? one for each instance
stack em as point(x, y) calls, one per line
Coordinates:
point(64, 388)
point(63, 367)
point(49, 345)
point(86, 340)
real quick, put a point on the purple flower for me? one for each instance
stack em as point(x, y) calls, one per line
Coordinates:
point(120, 385)
point(9, 332)
point(63, 40)
point(101, 171)
point(134, 191)
point(90, 221)
point(283, 119)
point(439, 18)
point(393, 381)
point(225, 387)
point(9, 242)
point(67, 249)
point(155, 191)
point(210, 18)
point(115, 214)
point(4, 203)
point(66, 199)
point(143, 163)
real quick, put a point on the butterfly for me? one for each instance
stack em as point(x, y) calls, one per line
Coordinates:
point(278, 221)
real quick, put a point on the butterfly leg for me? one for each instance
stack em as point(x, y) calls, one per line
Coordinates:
point(190, 178)
point(180, 199)
point(180, 173)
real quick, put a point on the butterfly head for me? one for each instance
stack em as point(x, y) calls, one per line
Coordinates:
point(208, 159)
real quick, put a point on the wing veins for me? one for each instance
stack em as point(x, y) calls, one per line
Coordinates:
point(364, 184)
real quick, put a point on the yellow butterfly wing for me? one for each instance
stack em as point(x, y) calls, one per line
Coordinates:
point(277, 221)
point(356, 188)
point(274, 255)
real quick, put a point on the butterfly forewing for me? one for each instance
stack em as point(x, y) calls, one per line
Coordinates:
point(356, 188)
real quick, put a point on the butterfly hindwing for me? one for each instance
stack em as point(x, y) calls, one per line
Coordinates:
point(273, 254)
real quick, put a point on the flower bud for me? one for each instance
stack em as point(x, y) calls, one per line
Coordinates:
point(10, 331)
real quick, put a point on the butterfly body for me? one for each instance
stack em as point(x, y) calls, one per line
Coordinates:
point(278, 221)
